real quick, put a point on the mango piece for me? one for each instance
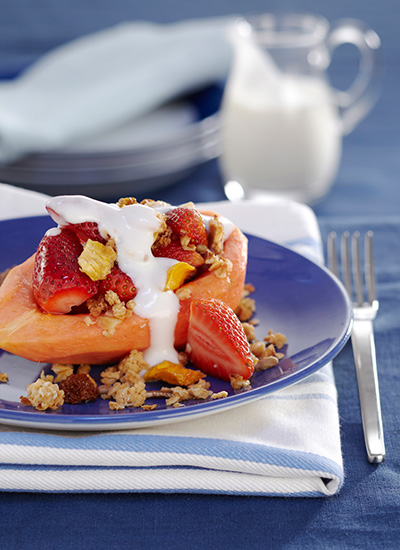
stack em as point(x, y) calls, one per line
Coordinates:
point(173, 373)
point(177, 275)
point(97, 259)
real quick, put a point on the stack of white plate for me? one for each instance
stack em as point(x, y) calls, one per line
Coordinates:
point(141, 156)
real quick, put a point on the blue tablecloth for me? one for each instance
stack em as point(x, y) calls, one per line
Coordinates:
point(366, 195)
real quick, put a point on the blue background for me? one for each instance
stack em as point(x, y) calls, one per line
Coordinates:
point(371, 159)
point(366, 195)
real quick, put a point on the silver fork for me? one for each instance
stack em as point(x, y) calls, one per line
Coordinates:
point(362, 337)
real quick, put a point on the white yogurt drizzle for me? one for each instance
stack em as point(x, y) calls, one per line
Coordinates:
point(133, 227)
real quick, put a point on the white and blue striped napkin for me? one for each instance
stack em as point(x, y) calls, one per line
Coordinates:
point(286, 444)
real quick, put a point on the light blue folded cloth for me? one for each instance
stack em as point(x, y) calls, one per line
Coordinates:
point(96, 83)
point(286, 444)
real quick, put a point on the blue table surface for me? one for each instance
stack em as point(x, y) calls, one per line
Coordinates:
point(366, 195)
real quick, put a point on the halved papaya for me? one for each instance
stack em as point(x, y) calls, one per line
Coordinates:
point(43, 337)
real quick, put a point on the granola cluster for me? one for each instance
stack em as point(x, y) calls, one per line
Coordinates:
point(67, 386)
point(214, 258)
point(264, 352)
point(43, 394)
point(247, 306)
point(124, 385)
point(110, 304)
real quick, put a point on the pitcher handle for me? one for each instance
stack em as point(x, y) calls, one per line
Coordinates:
point(356, 102)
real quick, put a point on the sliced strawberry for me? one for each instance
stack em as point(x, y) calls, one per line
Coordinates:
point(187, 222)
point(120, 283)
point(57, 282)
point(217, 343)
point(87, 230)
point(174, 250)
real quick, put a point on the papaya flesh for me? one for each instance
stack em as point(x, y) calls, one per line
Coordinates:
point(43, 337)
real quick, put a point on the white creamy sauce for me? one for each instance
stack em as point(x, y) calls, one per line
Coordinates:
point(133, 228)
point(53, 232)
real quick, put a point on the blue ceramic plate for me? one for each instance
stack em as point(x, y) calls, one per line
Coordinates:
point(293, 296)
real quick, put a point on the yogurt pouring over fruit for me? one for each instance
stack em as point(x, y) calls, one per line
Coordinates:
point(133, 228)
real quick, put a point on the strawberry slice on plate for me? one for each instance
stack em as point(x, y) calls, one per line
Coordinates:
point(57, 282)
point(187, 222)
point(120, 283)
point(217, 343)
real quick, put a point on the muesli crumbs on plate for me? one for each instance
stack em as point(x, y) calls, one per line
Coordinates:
point(149, 407)
point(62, 372)
point(264, 352)
point(43, 395)
point(133, 393)
point(276, 338)
point(238, 382)
point(219, 395)
point(83, 369)
point(3, 377)
point(124, 384)
point(247, 306)
point(124, 395)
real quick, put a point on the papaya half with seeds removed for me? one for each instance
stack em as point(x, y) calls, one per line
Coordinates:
point(43, 337)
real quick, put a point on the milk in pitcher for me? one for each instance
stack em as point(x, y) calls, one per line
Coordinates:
point(288, 140)
point(280, 132)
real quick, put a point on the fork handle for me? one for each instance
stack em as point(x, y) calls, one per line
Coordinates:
point(367, 378)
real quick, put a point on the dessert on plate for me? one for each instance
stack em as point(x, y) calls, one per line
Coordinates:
point(115, 277)
point(142, 287)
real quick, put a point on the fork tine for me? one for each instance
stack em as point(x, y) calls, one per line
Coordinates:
point(332, 254)
point(357, 271)
point(346, 270)
point(369, 268)
point(362, 336)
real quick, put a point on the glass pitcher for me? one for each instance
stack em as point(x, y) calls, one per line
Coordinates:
point(282, 123)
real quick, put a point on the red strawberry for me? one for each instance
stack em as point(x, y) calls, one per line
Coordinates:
point(87, 230)
point(217, 343)
point(57, 282)
point(120, 283)
point(174, 250)
point(187, 221)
